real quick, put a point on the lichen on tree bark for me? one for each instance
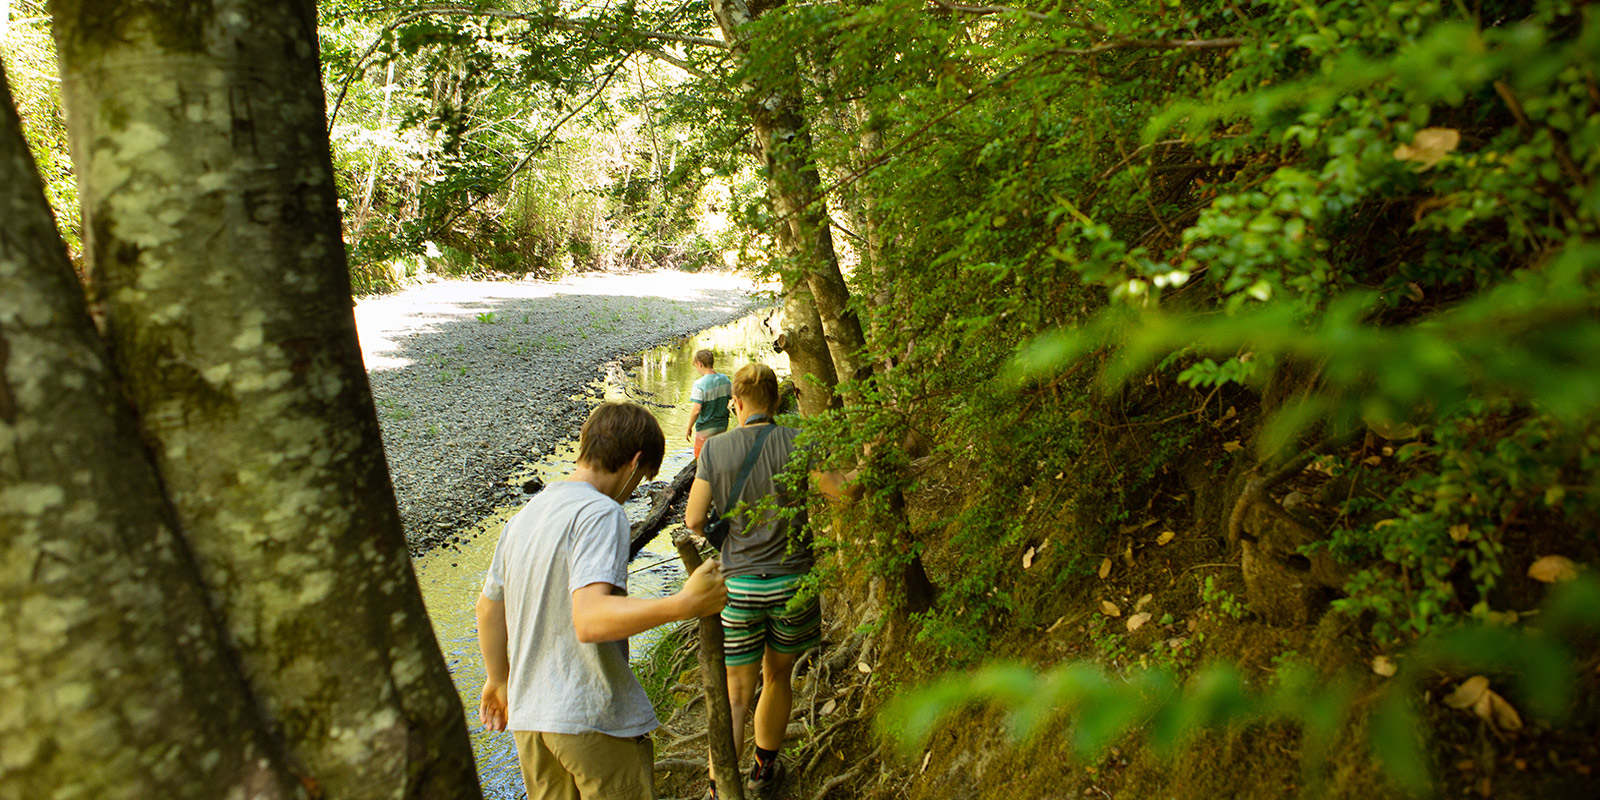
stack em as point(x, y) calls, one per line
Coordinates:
point(213, 241)
point(115, 680)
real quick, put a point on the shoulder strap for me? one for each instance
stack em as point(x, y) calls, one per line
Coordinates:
point(749, 464)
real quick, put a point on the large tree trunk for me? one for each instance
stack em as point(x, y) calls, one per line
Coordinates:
point(795, 188)
point(115, 676)
point(802, 341)
point(213, 238)
point(793, 183)
point(796, 191)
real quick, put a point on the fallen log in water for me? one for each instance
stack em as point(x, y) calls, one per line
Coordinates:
point(676, 494)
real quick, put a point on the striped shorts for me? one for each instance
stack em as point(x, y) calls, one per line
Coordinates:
point(758, 616)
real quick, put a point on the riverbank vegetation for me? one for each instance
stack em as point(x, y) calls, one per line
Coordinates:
point(1166, 335)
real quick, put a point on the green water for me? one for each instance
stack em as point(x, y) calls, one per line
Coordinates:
point(452, 579)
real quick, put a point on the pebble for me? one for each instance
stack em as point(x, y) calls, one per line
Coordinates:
point(463, 402)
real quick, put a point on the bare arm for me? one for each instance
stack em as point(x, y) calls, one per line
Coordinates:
point(492, 641)
point(840, 485)
point(600, 616)
point(698, 511)
point(694, 414)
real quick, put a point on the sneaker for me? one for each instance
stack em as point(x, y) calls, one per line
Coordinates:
point(765, 788)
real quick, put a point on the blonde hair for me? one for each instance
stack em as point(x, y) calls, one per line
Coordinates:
point(757, 385)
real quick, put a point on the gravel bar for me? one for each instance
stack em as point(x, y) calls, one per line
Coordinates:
point(473, 378)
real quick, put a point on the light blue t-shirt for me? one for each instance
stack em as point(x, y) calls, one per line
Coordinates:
point(712, 393)
point(567, 537)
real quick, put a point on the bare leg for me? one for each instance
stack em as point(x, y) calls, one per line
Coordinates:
point(777, 698)
point(741, 687)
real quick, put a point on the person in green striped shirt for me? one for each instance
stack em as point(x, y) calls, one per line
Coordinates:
point(708, 410)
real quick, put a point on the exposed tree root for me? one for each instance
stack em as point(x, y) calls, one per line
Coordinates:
point(846, 776)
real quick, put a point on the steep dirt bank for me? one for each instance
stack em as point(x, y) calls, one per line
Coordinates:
point(1074, 593)
point(472, 378)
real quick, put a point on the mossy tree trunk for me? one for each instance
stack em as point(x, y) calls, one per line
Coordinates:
point(792, 184)
point(213, 242)
point(115, 676)
point(795, 186)
point(804, 343)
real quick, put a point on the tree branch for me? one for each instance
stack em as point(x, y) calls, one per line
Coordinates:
point(563, 23)
point(983, 11)
point(535, 150)
point(1121, 43)
point(662, 55)
point(1118, 41)
point(1126, 43)
point(417, 12)
point(361, 61)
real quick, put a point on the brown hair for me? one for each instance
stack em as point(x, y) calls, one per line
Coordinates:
point(617, 429)
point(705, 358)
point(757, 384)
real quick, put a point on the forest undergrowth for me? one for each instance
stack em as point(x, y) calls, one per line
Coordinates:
point(1232, 382)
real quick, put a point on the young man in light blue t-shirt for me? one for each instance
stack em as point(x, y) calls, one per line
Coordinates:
point(708, 409)
point(554, 620)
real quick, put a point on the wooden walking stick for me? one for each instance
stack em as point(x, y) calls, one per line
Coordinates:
point(714, 677)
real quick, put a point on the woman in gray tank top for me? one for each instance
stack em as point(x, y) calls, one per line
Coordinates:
point(764, 558)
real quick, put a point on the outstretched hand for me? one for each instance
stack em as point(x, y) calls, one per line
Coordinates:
point(492, 706)
point(704, 592)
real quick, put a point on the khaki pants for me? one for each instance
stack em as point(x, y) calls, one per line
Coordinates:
point(586, 766)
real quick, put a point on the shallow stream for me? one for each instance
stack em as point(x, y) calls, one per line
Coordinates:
point(451, 578)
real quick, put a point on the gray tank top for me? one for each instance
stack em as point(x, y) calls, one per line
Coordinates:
point(765, 547)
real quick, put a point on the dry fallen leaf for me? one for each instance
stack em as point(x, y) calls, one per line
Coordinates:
point(1110, 609)
point(1166, 536)
point(1468, 693)
point(1232, 447)
point(1553, 569)
point(1027, 559)
point(1143, 601)
point(1138, 620)
point(1384, 666)
point(1501, 713)
point(864, 668)
point(1429, 147)
point(1105, 568)
point(1373, 461)
point(925, 760)
point(1127, 555)
point(828, 707)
